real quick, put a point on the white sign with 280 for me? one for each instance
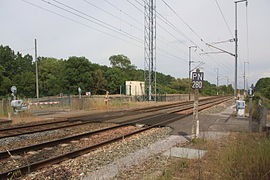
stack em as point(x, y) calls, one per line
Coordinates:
point(197, 80)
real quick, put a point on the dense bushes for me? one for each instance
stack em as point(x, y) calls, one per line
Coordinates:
point(263, 87)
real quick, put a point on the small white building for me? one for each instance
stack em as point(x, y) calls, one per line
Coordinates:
point(135, 88)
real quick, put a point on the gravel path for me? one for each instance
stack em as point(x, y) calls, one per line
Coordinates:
point(151, 168)
point(111, 170)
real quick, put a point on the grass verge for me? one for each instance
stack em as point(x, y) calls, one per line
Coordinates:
point(239, 156)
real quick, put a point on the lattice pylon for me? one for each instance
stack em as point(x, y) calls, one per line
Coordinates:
point(150, 49)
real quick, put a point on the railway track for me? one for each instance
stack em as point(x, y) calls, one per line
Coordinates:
point(154, 121)
point(149, 120)
point(49, 126)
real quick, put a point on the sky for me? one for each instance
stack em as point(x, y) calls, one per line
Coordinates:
point(97, 29)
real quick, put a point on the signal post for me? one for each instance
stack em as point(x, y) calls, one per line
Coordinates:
point(197, 83)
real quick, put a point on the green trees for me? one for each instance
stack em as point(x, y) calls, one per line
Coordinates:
point(223, 90)
point(25, 83)
point(208, 89)
point(78, 73)
point(51, 76)
point(5, 82)
point(181, 85)
point(1, 74)
point(115, 78)
point(121, 61)
point(17, 70)
point(99, 82)
point(263, 86)
point(65, 76)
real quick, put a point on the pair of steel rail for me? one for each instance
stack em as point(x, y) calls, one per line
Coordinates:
point(187, 106)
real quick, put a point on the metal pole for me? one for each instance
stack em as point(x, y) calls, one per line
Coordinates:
point(155, 46)
point(189, 69)
point(217, 81)
point(236, 54)
point(37, 89)
point(236, 45)
point(245, 77)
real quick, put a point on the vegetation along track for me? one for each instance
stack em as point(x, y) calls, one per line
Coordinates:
point(185, 111)
point(48, 126)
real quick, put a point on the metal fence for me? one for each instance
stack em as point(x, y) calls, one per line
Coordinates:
point(49, 105)
point(4, 107)
point(68, 103)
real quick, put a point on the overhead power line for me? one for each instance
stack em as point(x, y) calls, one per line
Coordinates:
point(191, 29)
point(111, 14)
point(183, 21)
point(92, 19)
point(172, 55)
point(96, 29)
point(100, 21)
point(224, 19)
point(134, 6)
point(219, 64)
point(115, 7)
point(160, 37)
point(158, 24)
point(170, 24)
point(80, 23)
point(164, 20)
